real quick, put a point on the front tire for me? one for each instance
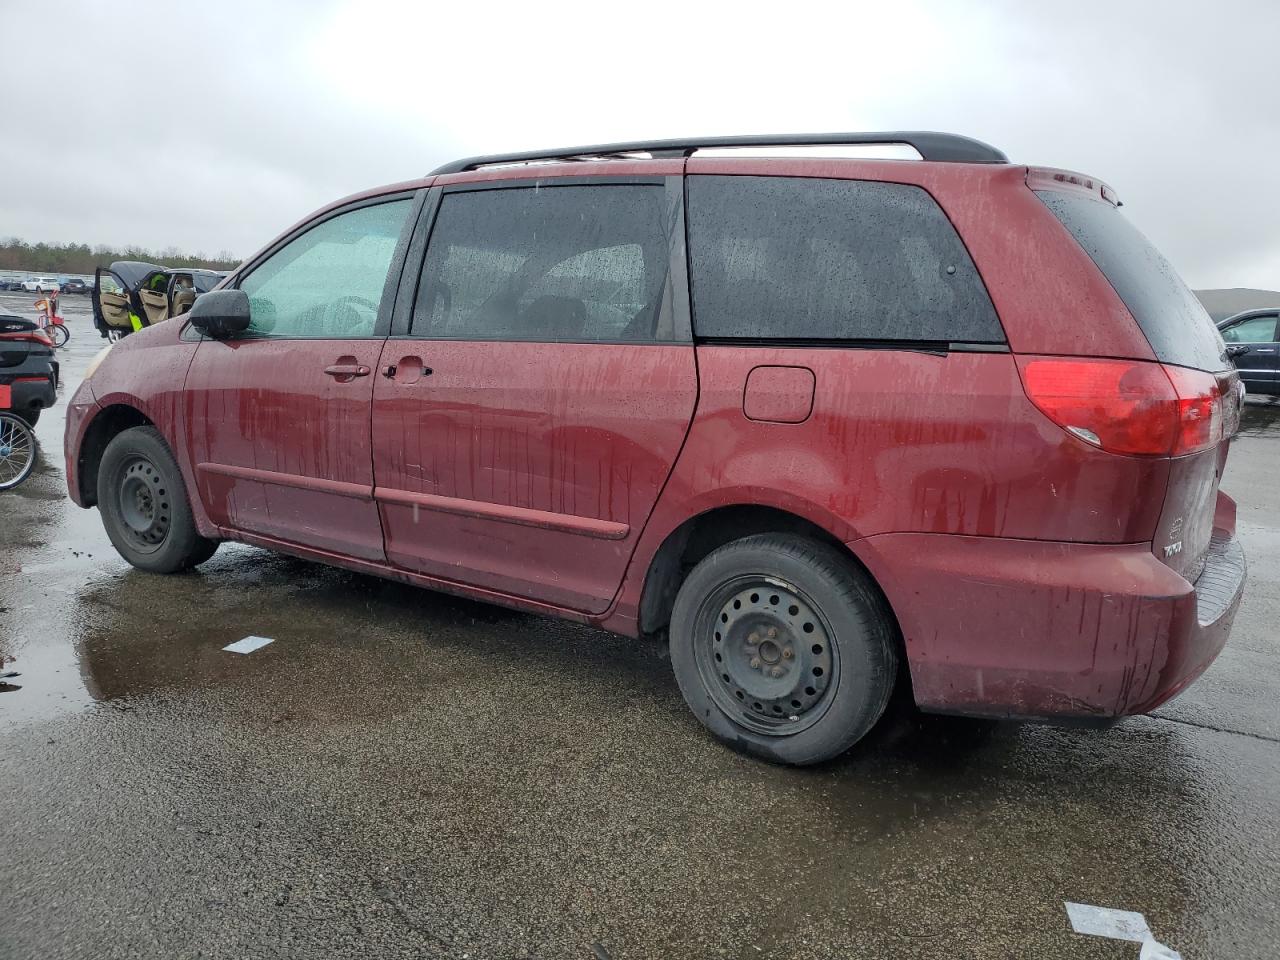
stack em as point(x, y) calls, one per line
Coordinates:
point(59, 334)
point(783, 648)
point(144, 506)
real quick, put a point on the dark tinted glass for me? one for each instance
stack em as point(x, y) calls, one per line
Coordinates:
point(552, 263)
point(1174, 321)
point(798, 258)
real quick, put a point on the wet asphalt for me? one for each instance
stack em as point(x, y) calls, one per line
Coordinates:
point(405, 774)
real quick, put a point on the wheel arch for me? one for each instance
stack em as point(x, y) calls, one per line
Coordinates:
point(106, 425)
point(697, 536)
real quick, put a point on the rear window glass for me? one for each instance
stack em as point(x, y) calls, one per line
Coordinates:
point(1174, 321)
point(796, 258)
point(563, 263)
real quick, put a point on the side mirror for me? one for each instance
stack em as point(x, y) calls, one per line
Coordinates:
point(221, 314)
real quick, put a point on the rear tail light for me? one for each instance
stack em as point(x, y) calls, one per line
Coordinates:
point(1132, 407)
point(32, 336)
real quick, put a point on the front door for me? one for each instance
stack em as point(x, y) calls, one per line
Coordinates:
point(526, 422)
point(1257, 362)
point(278, 418)
point(110, 304)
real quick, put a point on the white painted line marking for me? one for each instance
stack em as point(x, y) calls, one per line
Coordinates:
point(247, 645)
point(1118, 925)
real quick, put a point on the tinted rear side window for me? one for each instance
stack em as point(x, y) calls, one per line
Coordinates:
point(795, 258)
point(571, 263)
point(1174, 321)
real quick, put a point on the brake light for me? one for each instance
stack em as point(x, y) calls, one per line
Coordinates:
point(1131, 407)
point(34, 336)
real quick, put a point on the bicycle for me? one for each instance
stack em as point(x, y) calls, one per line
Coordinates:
point(54, 327)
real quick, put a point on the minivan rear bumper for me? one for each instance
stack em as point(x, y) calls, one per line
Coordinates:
point(997, 627)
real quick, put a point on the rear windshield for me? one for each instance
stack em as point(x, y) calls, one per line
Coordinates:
point(793, 258)
point(1175, 323)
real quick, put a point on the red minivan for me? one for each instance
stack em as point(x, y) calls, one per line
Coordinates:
point(828, 423)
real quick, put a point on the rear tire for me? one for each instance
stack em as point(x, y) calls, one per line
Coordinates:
point(783, 648)
point(59, 334)
point(144, 505)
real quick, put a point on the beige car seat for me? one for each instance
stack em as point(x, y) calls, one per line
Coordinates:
point(183, 298)
point(156, 305)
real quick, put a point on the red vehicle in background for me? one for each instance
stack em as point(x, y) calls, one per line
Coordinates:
point(813, 418)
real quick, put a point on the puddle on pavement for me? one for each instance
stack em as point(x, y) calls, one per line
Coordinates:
point(1260, 417)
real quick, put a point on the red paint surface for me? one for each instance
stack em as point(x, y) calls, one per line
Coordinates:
point(1023, 564)
point(145, 371)
point(778, 394)
point(267, 422)
point(585, 434)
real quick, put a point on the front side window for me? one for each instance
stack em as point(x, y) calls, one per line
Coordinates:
point(795, 258)
point(570, 263)
point(328, 282)
point(1254, 330)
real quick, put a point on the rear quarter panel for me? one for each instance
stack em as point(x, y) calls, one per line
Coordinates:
point(899, 441)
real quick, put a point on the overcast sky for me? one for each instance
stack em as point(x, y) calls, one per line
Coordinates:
point(214, 126)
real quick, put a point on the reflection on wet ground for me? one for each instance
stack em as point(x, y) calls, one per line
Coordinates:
point(404, 774)
point(1260, 417)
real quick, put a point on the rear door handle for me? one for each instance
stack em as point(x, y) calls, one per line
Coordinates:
point(409, 370)
point(347, 370)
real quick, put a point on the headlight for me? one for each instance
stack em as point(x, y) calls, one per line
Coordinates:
point(96, 361)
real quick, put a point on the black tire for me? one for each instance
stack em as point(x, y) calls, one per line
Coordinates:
point(144, 506)
point(783, 648)
point(59, 333)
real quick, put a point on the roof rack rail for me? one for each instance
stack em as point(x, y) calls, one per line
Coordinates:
point(947, 147)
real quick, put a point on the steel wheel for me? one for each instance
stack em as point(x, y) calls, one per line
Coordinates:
point(766, 654)
point(17, 451)
point(143, 502)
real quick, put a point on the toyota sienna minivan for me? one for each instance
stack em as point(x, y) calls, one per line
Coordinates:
point(827, 423)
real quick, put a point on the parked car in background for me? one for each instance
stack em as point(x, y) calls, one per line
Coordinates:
point(41, 285)
point(130, 295)
point(75, 285)
point(10, 283)
point(807, 417)
point(27, 367)
point(1252, 341)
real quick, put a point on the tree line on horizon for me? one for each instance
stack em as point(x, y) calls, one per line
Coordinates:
point(18, 255)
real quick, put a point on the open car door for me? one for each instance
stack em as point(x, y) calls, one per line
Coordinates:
point(110, 304)
point(153, 298)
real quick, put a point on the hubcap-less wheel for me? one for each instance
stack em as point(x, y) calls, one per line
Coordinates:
point(766, 654)
point(144, 504)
